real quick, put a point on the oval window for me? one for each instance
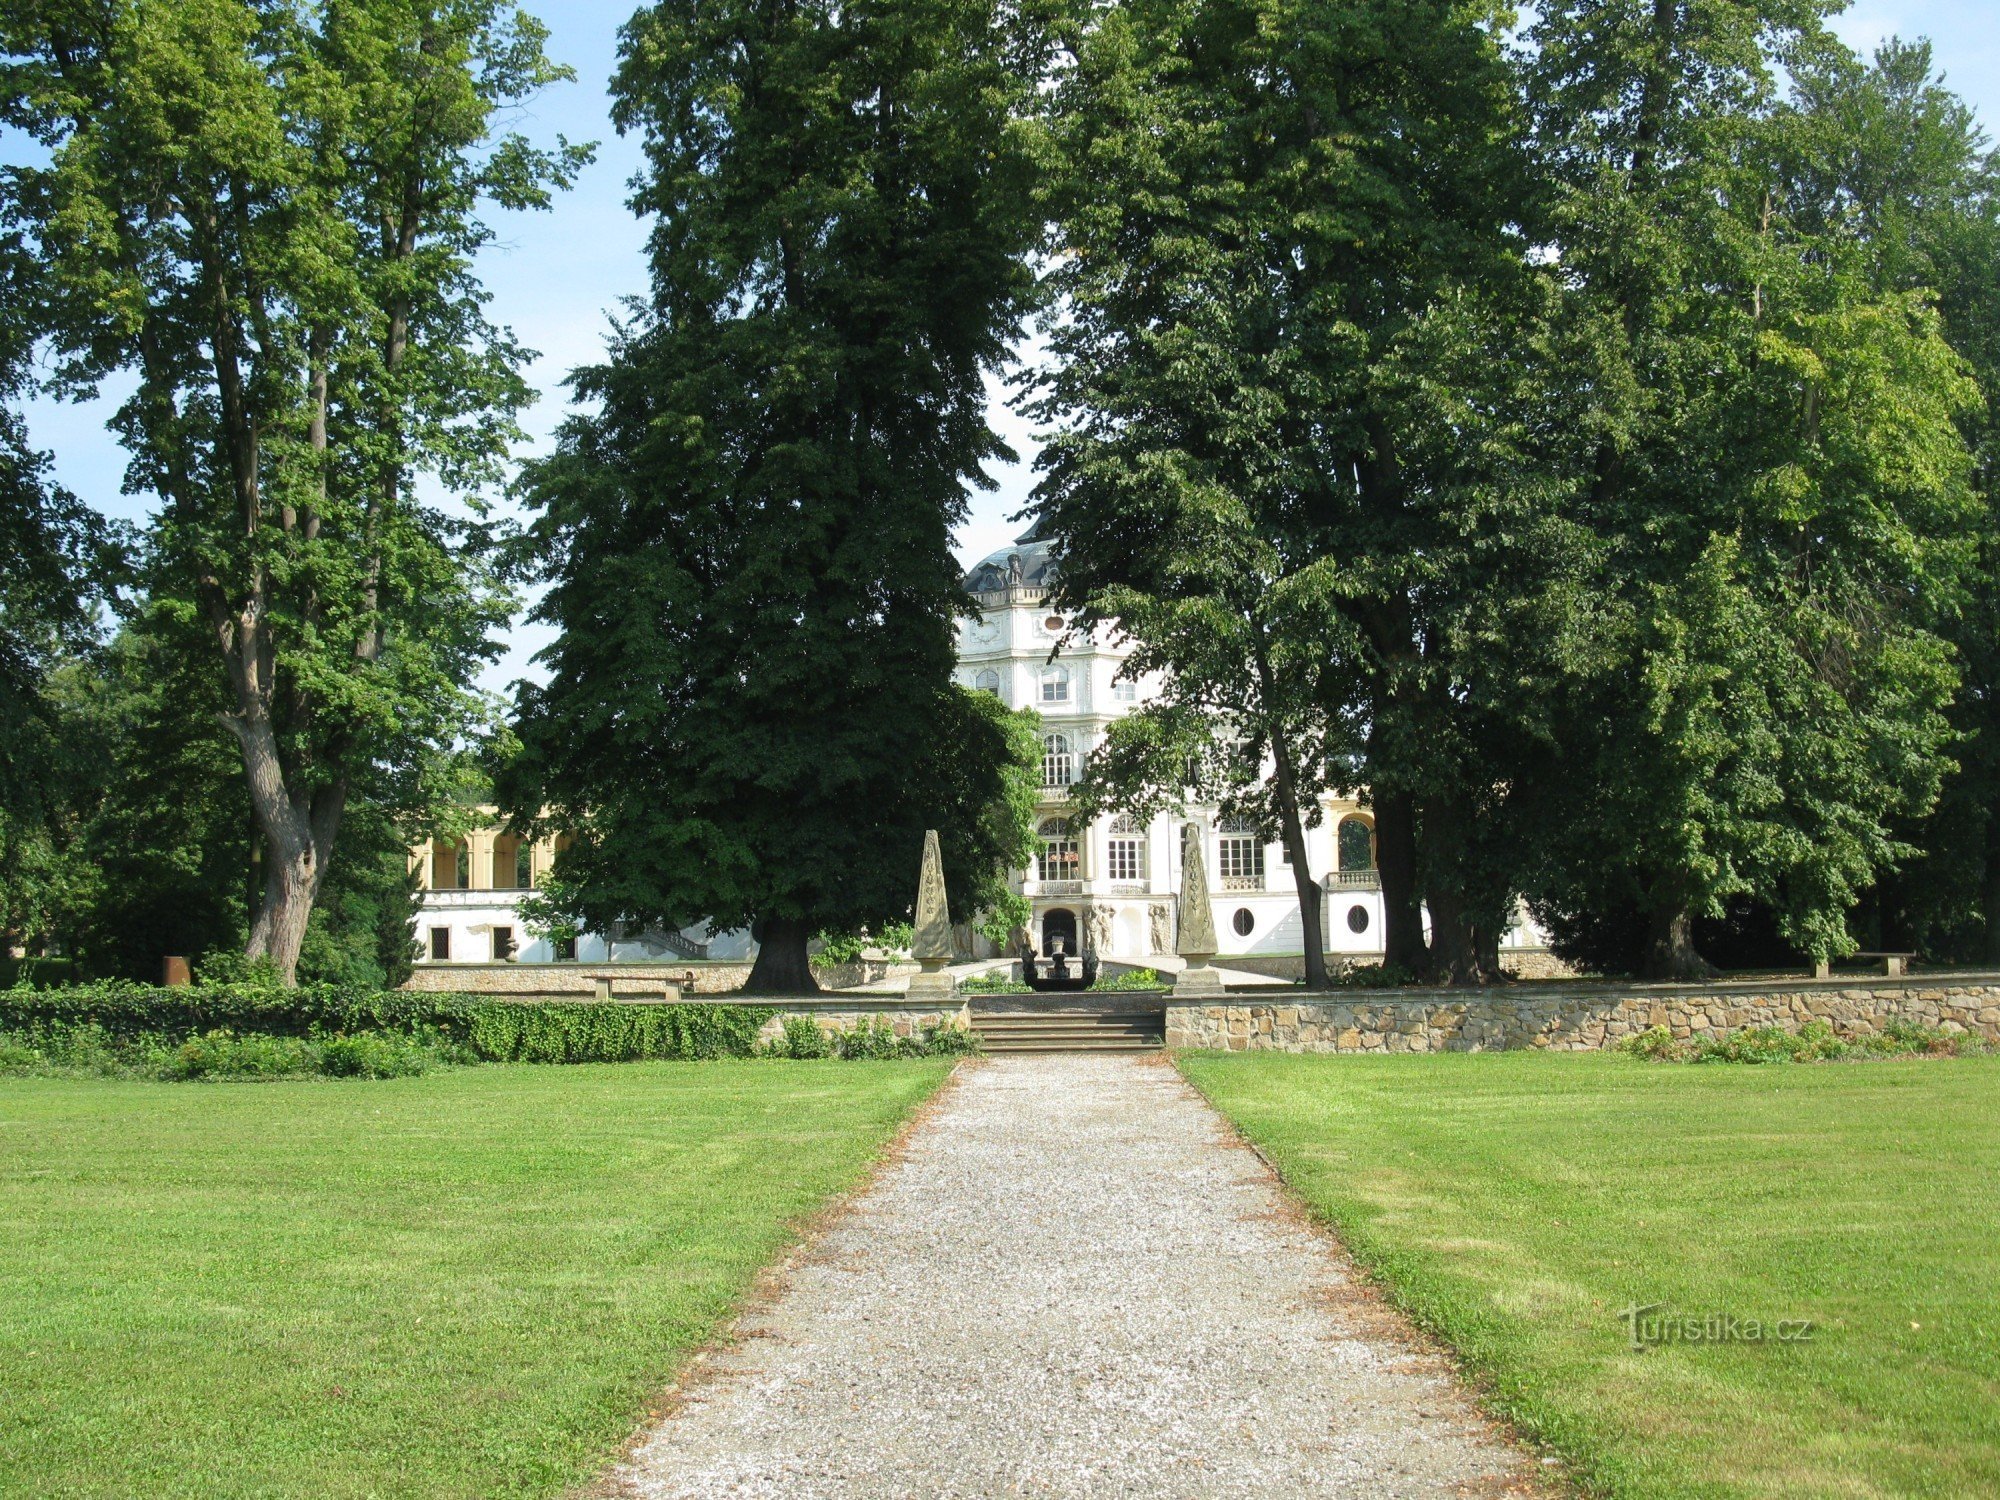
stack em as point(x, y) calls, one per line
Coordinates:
point(1243, 921)
point(1053, 625)
point(1357, 919)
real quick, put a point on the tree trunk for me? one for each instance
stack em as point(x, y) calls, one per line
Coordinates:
point(781, 967)
point(1670, 950)
point(291, 882)
point(1990, 889)
point(1292, 833)
point(1454, 956)
point(1396, 864)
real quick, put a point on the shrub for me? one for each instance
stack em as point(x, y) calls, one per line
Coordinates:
point(224, 1054)
point(802, 1039)
point(1656, 1043)
point(35, 973)
point(1816, 1041)
point(464, 1027)
point(373, 1054)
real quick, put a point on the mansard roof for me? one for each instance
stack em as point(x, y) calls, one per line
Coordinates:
point(1023, 564)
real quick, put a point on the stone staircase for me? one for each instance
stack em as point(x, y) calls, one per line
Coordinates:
point(1071, 1029)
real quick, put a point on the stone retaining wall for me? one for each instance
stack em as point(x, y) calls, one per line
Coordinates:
point(1575, 1017)
point(845, 1012)
point(635, 981)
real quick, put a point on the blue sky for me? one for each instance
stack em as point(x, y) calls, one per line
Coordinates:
point(557, 277)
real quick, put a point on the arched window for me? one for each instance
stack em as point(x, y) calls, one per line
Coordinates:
point(1356, 844)
point(1058, 860)
point(1055, 684)
point(1058, 765)
point(986, 680)
point(1125, 855)
point(1241, 855)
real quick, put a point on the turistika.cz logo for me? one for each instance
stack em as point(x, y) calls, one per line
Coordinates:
point(1654, 1324)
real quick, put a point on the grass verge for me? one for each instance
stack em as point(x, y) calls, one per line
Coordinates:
point(462, 1284)
point(1515, 1203)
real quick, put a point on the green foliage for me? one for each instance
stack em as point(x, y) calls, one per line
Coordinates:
point(750, 715)
point(1777, 472)
point(63, 1047)
point(869, 1038)
point(482, 1029)
point(1816, 1041)
point(1295, 446)
point(262, 221)
point(846, 948)
point(802, 1038)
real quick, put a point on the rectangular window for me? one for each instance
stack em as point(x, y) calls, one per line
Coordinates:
point(565, 950)
point(1242, 858)
point(1122, 861)
point(503, 943)
point(440, 945)
point(1125, 690)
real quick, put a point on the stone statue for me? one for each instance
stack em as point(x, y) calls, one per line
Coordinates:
point(931, 947)
point(1196, 939)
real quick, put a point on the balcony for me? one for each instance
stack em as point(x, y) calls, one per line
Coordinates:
point(1354, 880)
point(1055, 888)
point(1242, 883)
point(442, 899)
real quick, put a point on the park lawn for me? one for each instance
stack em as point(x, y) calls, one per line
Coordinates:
point(462, 1284)
point(1514, 1202)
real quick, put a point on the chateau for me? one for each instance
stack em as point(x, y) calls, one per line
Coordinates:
point(1104, 886)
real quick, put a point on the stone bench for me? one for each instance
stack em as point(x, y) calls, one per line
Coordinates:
point(601, 986)
point(1892, 963)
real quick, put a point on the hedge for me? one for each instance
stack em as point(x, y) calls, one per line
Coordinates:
point(495, 1030)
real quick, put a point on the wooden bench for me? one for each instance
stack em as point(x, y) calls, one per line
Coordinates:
point(1892, 963)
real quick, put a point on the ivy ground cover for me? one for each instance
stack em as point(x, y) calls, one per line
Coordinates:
point(462, 1284)
point(1528, 1206)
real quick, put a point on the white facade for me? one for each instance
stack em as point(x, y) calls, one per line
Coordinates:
point(1108, 886)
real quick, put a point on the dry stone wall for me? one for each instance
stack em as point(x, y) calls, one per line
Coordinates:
point(1575, 1017)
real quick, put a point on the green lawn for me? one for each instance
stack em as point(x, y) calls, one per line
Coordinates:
point(1516, 1201)
point(461, 1284)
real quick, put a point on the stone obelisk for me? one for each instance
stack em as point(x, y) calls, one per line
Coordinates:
point(931, 947)
point(1194, 939)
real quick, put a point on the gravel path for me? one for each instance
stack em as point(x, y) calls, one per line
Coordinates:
point(1072, 1281)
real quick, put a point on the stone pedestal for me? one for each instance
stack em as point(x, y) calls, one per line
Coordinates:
point(1197, 979)
point(935, 980)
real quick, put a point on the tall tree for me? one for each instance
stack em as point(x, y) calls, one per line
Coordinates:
point(1898, 164)
point(265, 213)
point(1776, 474)
point(750, 717)
point(58, 560)
point(1281, 228)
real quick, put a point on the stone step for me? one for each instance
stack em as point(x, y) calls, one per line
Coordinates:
point(1077, 1045)
point(1070, 1030)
